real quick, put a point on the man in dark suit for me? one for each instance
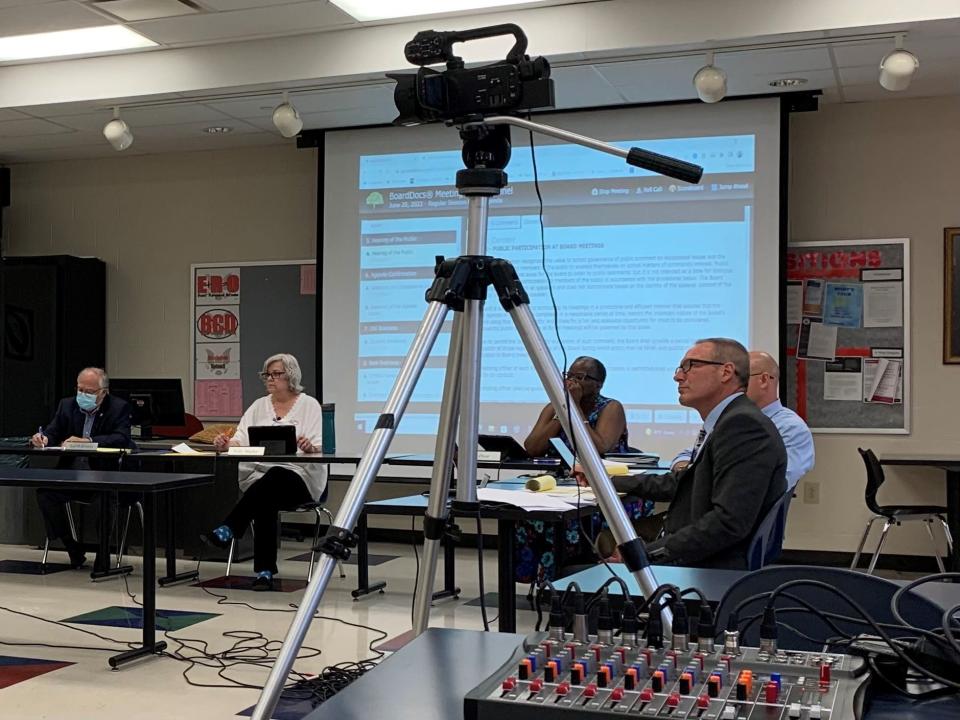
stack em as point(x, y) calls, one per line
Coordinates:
point(738, 470)
point(93, 415)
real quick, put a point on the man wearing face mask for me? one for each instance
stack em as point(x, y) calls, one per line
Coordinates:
point(92, 415)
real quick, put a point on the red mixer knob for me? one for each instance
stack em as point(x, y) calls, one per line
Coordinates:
point(617, 694)
point(646, 695)
point(673, 699)
point(563, 688)
point(590, 690)
point(536, 685)
point(703, 701)
point(509, 684)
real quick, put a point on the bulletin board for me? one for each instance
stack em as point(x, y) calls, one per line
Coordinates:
point(848, 335)
point(242, 313)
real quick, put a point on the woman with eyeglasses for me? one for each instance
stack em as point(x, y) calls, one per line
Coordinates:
point(269, 488)
point(537, 543)
point(605, 420)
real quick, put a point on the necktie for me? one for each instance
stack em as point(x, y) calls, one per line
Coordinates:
point(701, 436)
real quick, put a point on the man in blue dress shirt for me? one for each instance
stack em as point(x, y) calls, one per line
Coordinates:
point(764, 389)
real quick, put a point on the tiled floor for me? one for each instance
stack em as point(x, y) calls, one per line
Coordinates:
point(80, 684)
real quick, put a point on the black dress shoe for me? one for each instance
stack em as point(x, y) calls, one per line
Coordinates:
point(262, 583)
point(77, 558)
point(211, 538)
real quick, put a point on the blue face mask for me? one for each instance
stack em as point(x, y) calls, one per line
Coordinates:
point(87, 401)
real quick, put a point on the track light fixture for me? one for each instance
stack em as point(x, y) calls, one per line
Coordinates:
point(898, 67)
point(117, 132)
point(286, 118)
point(710, 82)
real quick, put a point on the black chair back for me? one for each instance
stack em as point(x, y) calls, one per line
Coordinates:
point(872, 593)
point(875, 479)
point(768, 538)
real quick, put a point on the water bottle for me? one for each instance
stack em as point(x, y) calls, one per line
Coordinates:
point(328, 428)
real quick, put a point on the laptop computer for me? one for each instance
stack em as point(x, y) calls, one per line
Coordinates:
point(276, 439)
point(506, 445)
point(564, 453)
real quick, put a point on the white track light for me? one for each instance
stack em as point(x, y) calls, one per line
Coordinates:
point(286, 119)
point(117, 132)
point(898, 67)
point(710, 82)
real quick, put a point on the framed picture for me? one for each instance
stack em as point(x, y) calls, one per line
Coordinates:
point(951, 295)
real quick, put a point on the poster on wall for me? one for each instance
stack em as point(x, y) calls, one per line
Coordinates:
point(218, 390)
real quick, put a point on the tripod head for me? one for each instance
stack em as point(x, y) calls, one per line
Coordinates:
point(485, 146)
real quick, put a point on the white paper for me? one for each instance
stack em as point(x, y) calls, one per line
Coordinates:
point(794, 302)
point(527, 500)
point(822, 342)
point(842, 386)
point(883, 304)
point(184, 449)
point(882, 381)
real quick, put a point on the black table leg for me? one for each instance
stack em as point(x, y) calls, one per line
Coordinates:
point(953, 516)
point(171, 548)
point(506, 585)
point(450, 588)
point(363, 562)
point(150, 645)
point(102, 566)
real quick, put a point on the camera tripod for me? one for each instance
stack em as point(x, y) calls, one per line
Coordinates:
point(461, 285)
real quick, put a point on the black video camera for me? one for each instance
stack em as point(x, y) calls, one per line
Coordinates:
point(458, 95)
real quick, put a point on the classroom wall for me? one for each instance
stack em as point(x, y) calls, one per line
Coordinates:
point(150, 217)
point(867, 170)
point(878, 170)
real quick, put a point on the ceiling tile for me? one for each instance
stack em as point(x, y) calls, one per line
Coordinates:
point(655, 73)
point(188, 130)
point(583, 87)
point(173, 114)
point(257, 22)
point(47, 17)
point(130, 10)
point(865, 53)
point(28, 127)
point(260, 106)
point(783, 61)
point(221, 5)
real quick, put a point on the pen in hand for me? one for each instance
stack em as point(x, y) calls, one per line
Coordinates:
point(41, 437)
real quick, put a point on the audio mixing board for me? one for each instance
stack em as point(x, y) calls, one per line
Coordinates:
point(556, 677)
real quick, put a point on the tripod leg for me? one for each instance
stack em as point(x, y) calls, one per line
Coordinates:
point(630, 546)
point(352, 505)
point(435, 520)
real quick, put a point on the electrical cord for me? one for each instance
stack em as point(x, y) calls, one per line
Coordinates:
point(876, 627)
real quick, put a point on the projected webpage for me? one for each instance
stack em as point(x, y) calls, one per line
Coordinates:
point(641, 266)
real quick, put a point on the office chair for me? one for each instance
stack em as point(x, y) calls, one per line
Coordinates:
point(872, 593)
point(895, 515)
point(767, 541)
point(73, 531)
point(126, 527)
point(73, 528)
point(320, 510)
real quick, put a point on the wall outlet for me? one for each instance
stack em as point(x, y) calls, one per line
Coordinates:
point(811, 493)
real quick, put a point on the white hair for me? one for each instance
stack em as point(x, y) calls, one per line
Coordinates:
point(100, 373)
point(290, 366)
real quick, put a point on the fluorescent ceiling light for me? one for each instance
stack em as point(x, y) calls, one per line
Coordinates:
point(364, 10)
point(83, 41)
